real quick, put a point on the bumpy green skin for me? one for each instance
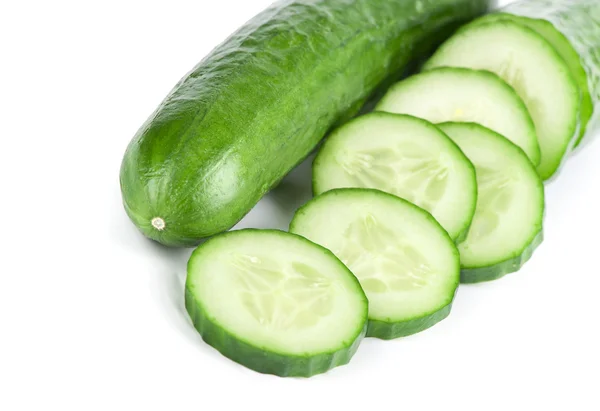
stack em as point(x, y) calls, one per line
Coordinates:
point(391, 330)
point(261, 101)
point(496, 271)
point(579, 22)
point(262, 359)
point(562, 45)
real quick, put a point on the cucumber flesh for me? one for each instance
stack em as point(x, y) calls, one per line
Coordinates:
point(507, 226)
point(405, 156)
point(527, 62)
point(562, 45)
point(405, 261)
point(459, 94)
point(275, 302)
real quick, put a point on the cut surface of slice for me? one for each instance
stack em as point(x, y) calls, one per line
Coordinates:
point(507, 226)
point(527, 62)
point(460, 94)
point(562, 45)
point(275, 302)
point(405, 156)
point(405, 261)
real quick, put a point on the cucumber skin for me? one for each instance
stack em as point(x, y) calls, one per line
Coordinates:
point(266, 361)
point(391, 330)
point(494, 272)
point(579, 22)
point(261, 101)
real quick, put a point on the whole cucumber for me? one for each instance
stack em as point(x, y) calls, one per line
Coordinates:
point(258, 104)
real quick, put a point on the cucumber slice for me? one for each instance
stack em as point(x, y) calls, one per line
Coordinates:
point(579, 22)
point(275, 302)
point(459, 94)
point(507, 226)
point(562, 45)
point(405, 261)
point(405, 156)
point(526, 61)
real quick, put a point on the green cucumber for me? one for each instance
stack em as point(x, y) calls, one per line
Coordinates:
point(459, 94)
point(405, 261)
point(275, 302)
point(260, 102)
point(527, 62)
point(562, 45)
point(507, 226)
point(405, 156)
point(578, 21)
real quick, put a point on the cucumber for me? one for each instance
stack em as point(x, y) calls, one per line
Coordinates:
point(405, 261)
point(507, 226)
point(562, 45)
point(459, 94)
point(578, 21)
point(275, 302)
point(233, 127)
point(526, 61)
point(405, 156)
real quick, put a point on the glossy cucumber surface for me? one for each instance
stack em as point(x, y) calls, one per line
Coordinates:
point(254, 108)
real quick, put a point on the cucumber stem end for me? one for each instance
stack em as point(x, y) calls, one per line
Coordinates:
point(158, 223)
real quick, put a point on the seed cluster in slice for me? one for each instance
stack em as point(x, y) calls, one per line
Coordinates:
point(404, 156)
point(458, 94)
point(530, 64)
point(275, 302)
point(405, 261)
point(507, 226)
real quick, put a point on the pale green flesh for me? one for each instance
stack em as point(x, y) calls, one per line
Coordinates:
point(405, 262)
point(527, 62)
point(459, 94)
point(279, 292)
point(510, 205)
point(404, 156)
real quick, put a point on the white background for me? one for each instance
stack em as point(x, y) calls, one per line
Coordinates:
point(91, 313)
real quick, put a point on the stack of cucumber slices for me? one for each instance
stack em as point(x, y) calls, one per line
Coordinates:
point(443, 183)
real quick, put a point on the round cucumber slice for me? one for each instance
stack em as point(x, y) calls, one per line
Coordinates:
point(527, 62)
point(459, 94)
point(405, 261)
point(405, 156)
point(564, 47)
point(275, 302)
point(507, 226)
